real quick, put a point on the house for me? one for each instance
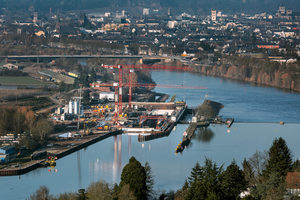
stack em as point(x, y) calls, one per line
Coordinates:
point(293, 182)
point(7, 149)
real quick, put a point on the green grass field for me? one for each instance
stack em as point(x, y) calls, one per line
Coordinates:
point(7, 80)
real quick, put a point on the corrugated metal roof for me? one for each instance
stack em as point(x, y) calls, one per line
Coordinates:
point(64, 78)
point(49, 73)
point(5, 148)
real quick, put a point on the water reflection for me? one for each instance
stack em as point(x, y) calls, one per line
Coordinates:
point(79, 169)
point(204, 134)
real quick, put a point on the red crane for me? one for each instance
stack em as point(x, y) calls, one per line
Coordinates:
point(130, 84)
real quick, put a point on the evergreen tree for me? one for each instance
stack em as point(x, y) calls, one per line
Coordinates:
point(149, 180)
point(248, 172)
point(196, 173)
point(81, 194)
point(205, 181)
point(104, 78)
point(233, 181)
point(93, 77)
point(280, 160)
point(86, 97)
point(185, 185)
point(134, 174)
point(296, 166)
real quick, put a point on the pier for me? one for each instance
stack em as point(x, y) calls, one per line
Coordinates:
point(206, 114)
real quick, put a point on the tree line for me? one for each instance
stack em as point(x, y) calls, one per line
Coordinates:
point(7, 72)
point(282, 75)
point(262, 175)
point(22, 120)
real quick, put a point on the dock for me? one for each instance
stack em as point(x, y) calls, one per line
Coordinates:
point(199, 120)
point(167, 127)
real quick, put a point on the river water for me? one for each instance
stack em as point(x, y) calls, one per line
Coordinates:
point(248, 104)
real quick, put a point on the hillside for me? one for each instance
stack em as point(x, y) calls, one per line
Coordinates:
point(177, 6)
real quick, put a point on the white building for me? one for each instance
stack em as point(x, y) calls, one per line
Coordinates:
point(108, 95)
point(213, 15)
point(172, 24)
point(146, 11)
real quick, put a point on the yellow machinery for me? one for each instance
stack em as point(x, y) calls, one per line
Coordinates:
point(86, 129)
point(51, 161)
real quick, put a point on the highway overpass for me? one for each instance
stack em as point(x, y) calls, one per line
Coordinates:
point(48, 58)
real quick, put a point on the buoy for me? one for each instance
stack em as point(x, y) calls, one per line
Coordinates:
point(245, 89)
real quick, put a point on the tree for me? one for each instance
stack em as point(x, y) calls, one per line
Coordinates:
point(248, 172)
point(99, 190)
point(258, 162)
point(62, 86)
point(81, 194)
point(104, 78)
point(233, 181)
point(296, 166)
point(93, 76)
point(42, 193)
point(30, 119)
point(280, 160)
point(126, 193)
point(272, 188)
point(196, 173)
point(42, 128)
point(67, 196)
point(206, 184)
point(149, 180)
point(134, 174)
point(86, 97)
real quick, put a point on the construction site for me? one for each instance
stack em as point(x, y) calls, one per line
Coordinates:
point(148, 118)
point(153, 116)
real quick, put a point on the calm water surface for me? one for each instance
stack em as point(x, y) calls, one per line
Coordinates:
point(104, 160)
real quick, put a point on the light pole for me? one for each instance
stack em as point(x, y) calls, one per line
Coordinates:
point(78, 117)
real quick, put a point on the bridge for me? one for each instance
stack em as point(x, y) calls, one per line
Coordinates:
point(37, 58)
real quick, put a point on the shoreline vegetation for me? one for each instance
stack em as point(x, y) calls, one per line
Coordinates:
point(264, 175)
point(266, 72)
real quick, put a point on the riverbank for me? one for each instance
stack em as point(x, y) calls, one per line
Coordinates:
point(277, 79)
point(58, 149)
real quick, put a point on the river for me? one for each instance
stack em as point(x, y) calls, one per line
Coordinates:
point(248, 104)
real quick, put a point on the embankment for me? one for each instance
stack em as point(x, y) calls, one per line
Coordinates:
point(37, 163)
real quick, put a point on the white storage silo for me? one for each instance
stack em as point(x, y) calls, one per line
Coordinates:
point(70, 107)
point(76, 107)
